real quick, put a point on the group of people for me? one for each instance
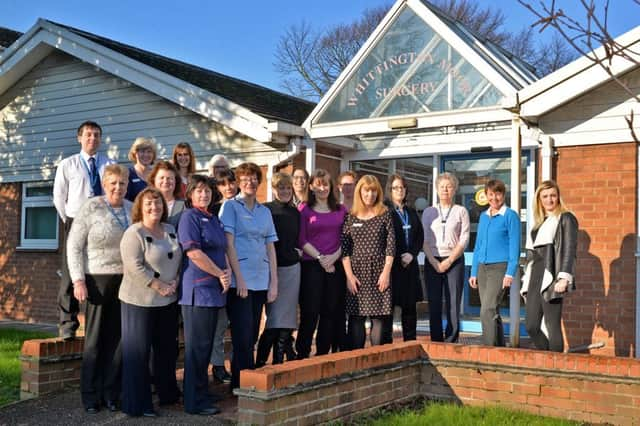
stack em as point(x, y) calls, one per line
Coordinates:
point(156, 242)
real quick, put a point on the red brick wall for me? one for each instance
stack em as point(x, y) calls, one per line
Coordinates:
point(28, 279)
point(339, 386)
point(598, 183)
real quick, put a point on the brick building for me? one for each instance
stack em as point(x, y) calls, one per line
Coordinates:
point(54, 77)
point(424, 95)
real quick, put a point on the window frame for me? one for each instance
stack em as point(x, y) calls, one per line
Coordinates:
point(33, 202)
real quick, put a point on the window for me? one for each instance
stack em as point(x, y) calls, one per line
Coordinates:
point(39, 218)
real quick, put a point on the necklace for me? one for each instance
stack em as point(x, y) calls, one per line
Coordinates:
point(443, 219)
point(123, 224)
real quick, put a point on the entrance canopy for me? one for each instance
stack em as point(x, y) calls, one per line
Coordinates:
point(418, 62)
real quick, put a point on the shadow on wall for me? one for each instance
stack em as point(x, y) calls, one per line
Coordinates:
point(617, 314)
point(583, 308)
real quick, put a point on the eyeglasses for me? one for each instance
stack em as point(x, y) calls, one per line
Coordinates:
point(398, 188)
point(251, 179)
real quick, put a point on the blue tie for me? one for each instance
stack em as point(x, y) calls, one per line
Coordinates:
point(95, 177)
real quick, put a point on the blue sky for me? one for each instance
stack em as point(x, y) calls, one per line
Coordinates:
point(236, 38)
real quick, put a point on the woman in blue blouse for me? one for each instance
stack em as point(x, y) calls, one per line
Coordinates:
point(205, 280)
point(495, 259)
point(251, 235)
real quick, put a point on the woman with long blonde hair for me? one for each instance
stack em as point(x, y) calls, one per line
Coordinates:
point(550, 270)
point(368, 249)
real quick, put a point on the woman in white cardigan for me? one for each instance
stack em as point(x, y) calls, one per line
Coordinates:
point(550, 270)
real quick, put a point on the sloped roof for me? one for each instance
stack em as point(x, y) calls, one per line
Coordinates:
point(500, 59)
point(7, 36)
point(265, 102)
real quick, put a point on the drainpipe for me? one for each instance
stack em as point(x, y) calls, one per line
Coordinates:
point(547, 157)
point(310, 154)
point(514, 293)
point(637, 340)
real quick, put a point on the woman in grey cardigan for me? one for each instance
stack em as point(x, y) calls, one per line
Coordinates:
point(95, 267)
point(151, 257)
point(550, 271)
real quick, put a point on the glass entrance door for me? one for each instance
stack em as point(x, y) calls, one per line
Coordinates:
point(473, 171)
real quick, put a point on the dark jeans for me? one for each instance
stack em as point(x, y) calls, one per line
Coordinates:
point(322, 306)
point(144, 328)
point(450, 285)
point(244, 315)
point(199, 328)
point(102, 358)
point(67, 304)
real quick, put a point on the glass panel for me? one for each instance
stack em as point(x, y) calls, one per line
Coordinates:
point(39, 191)
point(410, 70)
point(417, 171)
point(473, 173)
point(40, 223)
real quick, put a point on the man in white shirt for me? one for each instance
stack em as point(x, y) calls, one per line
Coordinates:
point(78, 178)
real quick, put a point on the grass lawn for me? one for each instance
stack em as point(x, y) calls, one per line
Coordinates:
point(10, 346)
point(442, 414)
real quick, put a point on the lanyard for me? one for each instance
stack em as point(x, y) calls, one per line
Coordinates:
point(443, 219)
point(124, 225)
point(404, 217)
point(93, 177)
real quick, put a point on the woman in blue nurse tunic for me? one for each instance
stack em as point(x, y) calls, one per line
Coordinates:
point(205, 280)
point(251, 235)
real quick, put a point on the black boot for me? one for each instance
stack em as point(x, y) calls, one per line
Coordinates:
point(280, 348)
point(266, 341)
point(288, 347)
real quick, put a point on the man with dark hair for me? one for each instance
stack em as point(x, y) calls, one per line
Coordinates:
point(78, 178)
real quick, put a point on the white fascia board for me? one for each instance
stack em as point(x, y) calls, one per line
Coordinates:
point(462, 48)
point(433, 120)
point(196, 99)
point(20, 60)
point(287, 129)
point(353, 64)
point(574, 73)
point(574, 87)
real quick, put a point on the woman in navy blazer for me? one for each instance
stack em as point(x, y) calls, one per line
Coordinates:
point(205, 280)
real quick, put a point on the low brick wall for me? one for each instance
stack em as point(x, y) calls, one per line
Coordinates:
point(338, 386)
point(49, 365)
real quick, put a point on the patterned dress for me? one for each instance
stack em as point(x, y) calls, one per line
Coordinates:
point(367, 243)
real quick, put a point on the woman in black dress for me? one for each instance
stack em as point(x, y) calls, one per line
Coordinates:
point(405, 273)
point(368, 248)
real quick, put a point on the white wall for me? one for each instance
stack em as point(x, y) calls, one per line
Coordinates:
point(597, 117)
point(39, 116)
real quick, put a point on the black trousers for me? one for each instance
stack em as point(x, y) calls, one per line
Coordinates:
point(450, 285)
point(321, 305)
point(67, 304)
point(102, 358)
point(244, 315)
point(199, 330)
point(144, 328)
point(536, 309)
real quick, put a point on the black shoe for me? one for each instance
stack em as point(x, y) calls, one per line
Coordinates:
point(92, 409)
point(150, 413)
point(208, 411)
point(112, 406)
point(221, 375)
